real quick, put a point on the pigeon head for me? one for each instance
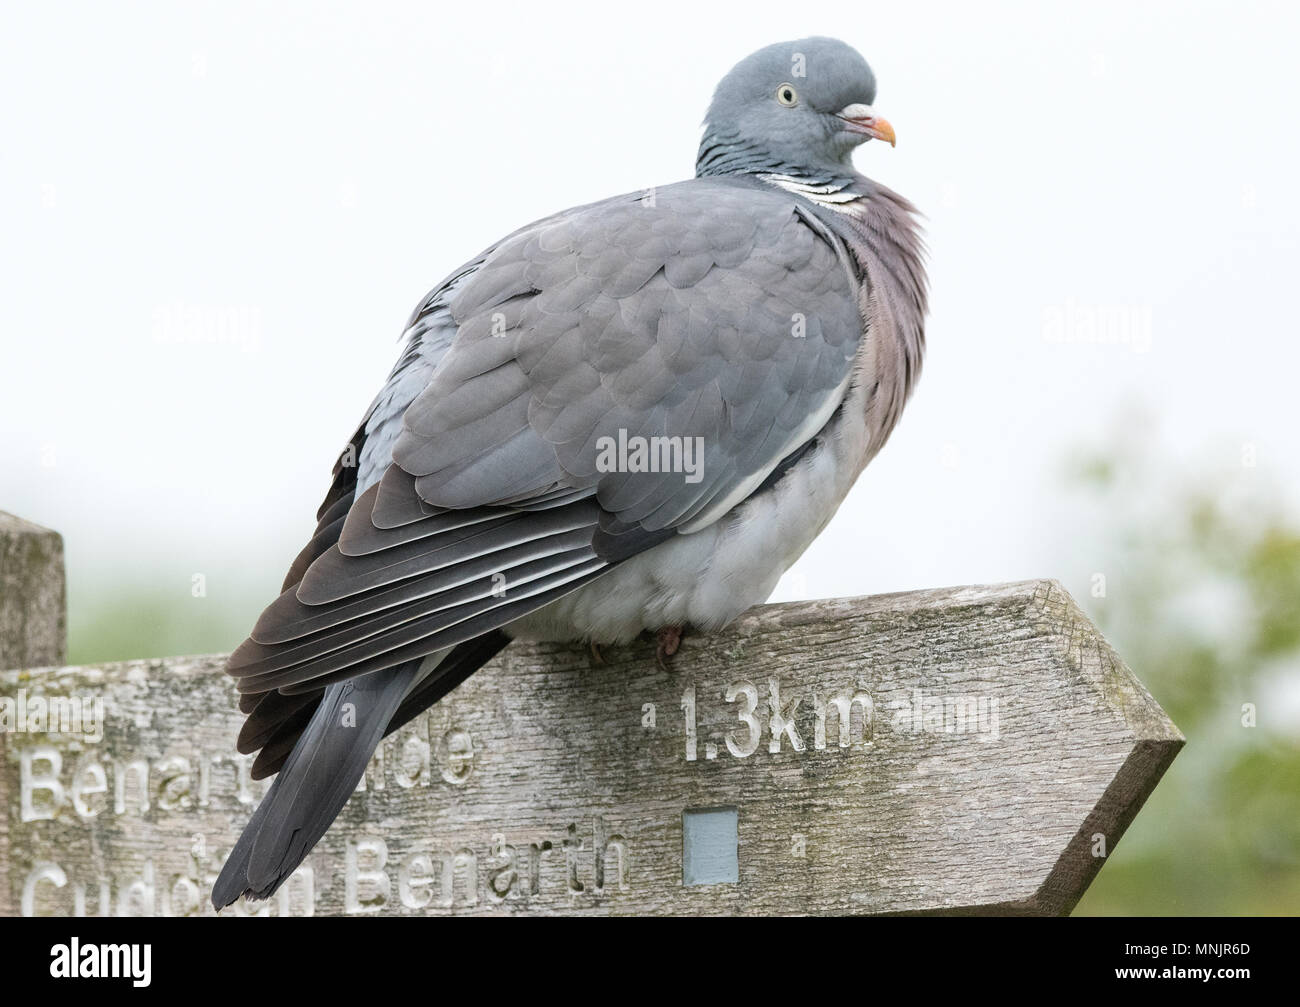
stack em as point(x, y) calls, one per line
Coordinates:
point(797, 108)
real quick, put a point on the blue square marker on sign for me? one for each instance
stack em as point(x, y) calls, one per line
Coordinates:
point(709, 842)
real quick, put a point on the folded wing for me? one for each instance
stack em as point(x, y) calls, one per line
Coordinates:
point(713, 323)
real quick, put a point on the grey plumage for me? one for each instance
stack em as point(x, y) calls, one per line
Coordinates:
point(769, 310)
point(314, 783)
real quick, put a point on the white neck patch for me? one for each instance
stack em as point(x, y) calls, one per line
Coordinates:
point(831, 195)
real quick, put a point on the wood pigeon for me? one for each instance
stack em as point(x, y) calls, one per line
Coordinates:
point(629, 417)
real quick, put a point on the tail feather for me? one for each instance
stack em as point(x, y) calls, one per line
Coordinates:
point(315, 782)
point(461, 661)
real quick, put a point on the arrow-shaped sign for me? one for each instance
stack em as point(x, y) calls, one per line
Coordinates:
point(977, 749)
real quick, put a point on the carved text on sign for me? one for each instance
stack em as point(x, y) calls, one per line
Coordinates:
point(846, 717)
point(462, 876)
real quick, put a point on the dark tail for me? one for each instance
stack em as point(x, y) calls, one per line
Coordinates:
point(315, 782)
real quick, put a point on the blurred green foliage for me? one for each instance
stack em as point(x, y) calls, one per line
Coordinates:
point(111, 619)
point(1203, 602)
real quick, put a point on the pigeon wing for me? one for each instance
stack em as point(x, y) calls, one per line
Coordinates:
point(711, 323)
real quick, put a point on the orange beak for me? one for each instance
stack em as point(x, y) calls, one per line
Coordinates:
point(863, 119)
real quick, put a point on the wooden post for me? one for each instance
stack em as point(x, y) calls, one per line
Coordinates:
point(33, 606)
point(965, 750)
point(33, 622)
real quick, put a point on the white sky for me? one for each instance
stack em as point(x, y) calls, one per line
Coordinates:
point(312, 170)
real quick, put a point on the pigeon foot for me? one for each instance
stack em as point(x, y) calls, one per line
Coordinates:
point(670, 638)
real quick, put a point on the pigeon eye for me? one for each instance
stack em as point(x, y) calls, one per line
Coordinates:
point(786, 96)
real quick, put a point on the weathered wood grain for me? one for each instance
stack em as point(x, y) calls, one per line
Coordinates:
point(33, 616)
point(33, 608)
point(1006, 745)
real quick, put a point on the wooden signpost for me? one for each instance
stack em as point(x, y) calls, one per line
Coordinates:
point(964, 750)
point(33, 603)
